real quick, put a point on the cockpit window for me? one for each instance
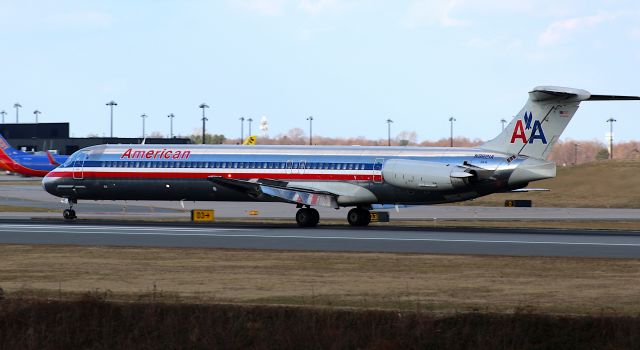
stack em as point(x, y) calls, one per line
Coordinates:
point(71, 159)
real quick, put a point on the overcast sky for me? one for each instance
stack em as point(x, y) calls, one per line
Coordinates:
point(350, 64)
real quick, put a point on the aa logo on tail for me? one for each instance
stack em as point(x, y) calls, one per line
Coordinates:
point(519, 132)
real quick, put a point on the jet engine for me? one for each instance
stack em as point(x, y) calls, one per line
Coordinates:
point(422, 175)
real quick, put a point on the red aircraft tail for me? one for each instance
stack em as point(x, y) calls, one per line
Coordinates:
point(52, 160)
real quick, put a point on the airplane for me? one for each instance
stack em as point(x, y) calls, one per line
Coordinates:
point(25, 163)
point(327, 176)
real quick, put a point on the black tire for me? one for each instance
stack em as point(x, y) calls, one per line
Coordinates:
point(359, 217)
point(316, 216)
point(307, 217)
point(366, 218)
point(69, 214)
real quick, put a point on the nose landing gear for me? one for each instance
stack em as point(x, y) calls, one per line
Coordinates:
point(70, 214)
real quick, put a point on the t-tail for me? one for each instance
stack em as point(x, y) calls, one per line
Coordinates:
point(538, 126)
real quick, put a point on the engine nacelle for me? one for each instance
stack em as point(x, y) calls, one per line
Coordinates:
point(426, 176)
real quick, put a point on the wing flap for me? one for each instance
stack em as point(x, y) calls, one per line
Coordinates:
point(279, 190)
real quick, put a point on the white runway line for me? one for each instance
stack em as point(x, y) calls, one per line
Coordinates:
point(185, 232)
point(129, 228)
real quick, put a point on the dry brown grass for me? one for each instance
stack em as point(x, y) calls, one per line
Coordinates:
point(439, 283)
point(602, 184)
point(24, 209)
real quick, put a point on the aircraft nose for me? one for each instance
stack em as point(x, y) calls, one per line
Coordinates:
point(50, 184)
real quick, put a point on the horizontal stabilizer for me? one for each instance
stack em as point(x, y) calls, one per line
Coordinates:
point(613, 98)
point(554, 94)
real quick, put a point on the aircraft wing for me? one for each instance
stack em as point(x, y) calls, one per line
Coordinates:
point(279, 190)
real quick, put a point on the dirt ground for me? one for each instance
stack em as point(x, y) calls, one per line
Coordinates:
point(437, 283)
point(601, 184)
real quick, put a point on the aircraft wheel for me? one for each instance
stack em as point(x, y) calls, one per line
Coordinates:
point(359, 217)
point(307, 217)
point(316, 216)
point(69, 214)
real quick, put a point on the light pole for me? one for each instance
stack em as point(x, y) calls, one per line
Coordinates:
point(389, 121)
point(241, 129)
point(611, 121)
point(310, 119)
point(575, 153)
point(171, 116)
point(204, 119)
point(111, 104)
point(249, 120)
point(17, 106)
point(37, 112)
point(452, 119)
point(503, 121)
point(3, 113)
point(144, 117)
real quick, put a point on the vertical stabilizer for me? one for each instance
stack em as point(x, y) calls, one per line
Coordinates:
point(6, 147)
point(538, 126)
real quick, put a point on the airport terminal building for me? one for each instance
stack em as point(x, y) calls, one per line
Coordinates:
point(55, 136)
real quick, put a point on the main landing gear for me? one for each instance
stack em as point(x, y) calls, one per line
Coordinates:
point(307, 217)
point(70, 214)
point(359, 217)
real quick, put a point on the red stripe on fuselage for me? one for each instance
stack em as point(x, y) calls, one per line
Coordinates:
point(228, 175)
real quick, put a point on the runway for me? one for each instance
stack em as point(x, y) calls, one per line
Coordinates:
point(522, 242)
point(28, 193)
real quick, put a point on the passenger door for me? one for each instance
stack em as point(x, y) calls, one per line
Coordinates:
point(78, 166)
